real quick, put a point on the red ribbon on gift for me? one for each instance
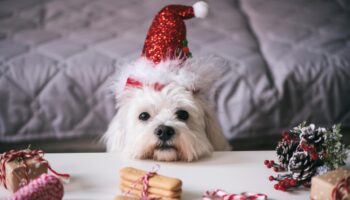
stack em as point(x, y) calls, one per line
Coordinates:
point(144, 179)
point(222, 195)
point(23, 155)
point(341, 190)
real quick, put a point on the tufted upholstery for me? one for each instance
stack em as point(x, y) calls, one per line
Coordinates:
point(289, 61)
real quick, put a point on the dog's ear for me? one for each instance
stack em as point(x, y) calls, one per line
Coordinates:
point(114, 136)
point(214, 132)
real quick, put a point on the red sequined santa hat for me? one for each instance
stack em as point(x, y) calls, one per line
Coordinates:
point(166, 38)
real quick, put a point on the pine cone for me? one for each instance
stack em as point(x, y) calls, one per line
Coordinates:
point(312, 135)
point(301, 166)
point(285, 150)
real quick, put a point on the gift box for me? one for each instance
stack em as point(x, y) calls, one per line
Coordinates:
point(333, 185)
point(18, 168)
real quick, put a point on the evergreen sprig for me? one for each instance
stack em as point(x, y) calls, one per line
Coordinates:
point(336, 153)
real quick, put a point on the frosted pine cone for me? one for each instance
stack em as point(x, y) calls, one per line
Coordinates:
point(285, 150)
point(301, 166)
point(312, 136)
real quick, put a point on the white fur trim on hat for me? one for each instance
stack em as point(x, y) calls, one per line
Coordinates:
point(194, 74)
point(200, 9)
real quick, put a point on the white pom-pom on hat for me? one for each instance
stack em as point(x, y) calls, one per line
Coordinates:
point(200, 9)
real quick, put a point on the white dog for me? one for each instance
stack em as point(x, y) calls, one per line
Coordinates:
point(162, 110)
point(175, 123)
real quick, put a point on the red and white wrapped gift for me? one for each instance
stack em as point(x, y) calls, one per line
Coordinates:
point(19, 167)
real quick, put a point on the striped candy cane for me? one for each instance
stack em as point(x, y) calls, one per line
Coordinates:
point(222, 195)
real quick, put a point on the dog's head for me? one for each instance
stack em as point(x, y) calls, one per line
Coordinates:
point(174, 123)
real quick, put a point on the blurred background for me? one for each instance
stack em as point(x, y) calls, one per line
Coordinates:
point(287, 62)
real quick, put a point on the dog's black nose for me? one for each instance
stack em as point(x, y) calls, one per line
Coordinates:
point(164, 133)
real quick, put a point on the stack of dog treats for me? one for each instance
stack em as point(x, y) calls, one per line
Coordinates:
point(159, 187)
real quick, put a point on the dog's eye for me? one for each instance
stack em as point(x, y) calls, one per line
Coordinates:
point(182, 115)
point(144, 116)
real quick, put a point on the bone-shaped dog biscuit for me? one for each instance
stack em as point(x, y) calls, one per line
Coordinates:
point(151, 190)
point(139, 192)
point(120, 197)
point(158, 181)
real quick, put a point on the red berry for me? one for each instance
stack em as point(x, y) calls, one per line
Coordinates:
point(293, 182)
point(285, 136)
point(269, 166)
point(283, 183)
point(185, 50)
point(314, 156)
point(277, 186)
point(272, 162)
point(266, 162)
point(304, 147)
point(275, 169)
point(271, 178)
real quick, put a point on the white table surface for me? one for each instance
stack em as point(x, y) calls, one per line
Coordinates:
point(95, 176)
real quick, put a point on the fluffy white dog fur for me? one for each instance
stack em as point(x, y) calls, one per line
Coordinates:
point(185, 89)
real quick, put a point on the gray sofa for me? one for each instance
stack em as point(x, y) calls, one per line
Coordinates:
point(288, 62)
